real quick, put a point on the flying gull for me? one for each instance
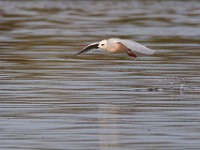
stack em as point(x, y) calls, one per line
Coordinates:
point(116, 45)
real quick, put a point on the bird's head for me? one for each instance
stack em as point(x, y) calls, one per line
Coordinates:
point(103, 44)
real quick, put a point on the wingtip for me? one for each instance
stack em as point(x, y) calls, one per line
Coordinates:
point(88, 48)
point(151, 52)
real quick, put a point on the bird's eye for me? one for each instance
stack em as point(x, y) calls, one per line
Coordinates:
point(102, 44)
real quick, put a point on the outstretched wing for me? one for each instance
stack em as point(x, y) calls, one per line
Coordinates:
point(136, 47)
point(88, 48)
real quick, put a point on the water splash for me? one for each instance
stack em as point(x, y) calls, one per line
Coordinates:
point(171, 84)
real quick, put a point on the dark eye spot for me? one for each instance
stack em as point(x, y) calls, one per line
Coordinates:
point(102, 44)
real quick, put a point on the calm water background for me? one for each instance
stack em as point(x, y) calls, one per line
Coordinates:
point(99, 101)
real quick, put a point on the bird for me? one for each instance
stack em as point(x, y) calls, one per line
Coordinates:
point(117, 45)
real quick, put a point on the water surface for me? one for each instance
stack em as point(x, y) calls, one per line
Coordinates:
point(99, 100)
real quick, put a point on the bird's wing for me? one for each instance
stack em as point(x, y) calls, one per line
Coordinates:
point(88, 48)
point(136, 47)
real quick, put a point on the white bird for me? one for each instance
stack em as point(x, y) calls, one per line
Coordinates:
point(116, 45)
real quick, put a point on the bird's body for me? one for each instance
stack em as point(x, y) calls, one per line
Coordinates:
point(116, 45)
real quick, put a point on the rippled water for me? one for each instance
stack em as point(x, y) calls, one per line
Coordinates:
point(99, 100)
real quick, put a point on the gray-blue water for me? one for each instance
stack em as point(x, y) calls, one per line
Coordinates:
point(99, 101)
